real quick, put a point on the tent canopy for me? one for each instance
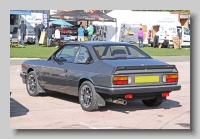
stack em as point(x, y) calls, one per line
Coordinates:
point(88, 15)
point(60, 22)
point(137, 16)
point(22, 12)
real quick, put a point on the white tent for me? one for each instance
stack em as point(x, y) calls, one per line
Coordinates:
point(133, 17)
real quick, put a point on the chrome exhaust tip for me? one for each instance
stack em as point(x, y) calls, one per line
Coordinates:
point(117, 101)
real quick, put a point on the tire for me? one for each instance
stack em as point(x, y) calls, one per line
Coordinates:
point(151, 102)
point(31, 84)
point(88, 100)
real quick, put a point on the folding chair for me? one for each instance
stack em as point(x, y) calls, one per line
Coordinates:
point(14, 40)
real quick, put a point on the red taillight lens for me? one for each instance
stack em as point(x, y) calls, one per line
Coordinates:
point(170, 78)
point(128, 96)
point(165, 94)
point(25, 65)
point(121, 80)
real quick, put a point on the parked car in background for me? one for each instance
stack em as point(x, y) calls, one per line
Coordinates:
point(100, 72)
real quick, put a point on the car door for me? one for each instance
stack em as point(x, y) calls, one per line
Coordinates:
point(78, 70)
point(57, 68)
point(186, 37)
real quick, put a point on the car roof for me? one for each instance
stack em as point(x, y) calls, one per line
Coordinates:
point(93, 43)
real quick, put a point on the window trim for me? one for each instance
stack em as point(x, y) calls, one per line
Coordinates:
point(79, 52)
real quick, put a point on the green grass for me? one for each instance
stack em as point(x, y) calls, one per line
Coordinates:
point(32, 51)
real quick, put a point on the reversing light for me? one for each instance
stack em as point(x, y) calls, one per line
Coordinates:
point(121, 80)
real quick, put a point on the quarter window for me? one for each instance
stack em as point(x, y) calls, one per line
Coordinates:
point(83, 55)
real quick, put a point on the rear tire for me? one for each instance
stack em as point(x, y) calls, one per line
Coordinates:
point(31, 84)
point(88, 97)
point(151, 102)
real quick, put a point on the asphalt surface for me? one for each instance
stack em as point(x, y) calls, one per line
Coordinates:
point(60, 111)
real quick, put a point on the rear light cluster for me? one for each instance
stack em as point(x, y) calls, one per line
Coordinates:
point(169, 78)
point(121, 80)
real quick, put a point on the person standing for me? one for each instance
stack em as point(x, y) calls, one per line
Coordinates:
point(94, 34)
point(23, 31)
point(42, 28)
point(57, 37)
point(50, 32)
point(81, 31)
point(90, 31)
point(80, 24)
point(140, 38)
point(37, 34)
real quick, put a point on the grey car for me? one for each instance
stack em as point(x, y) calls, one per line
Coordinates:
point(100, 72)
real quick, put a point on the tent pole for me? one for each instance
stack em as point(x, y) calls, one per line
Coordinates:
point(116, 29)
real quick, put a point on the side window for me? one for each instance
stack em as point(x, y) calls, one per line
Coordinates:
point(82, 56)
point(68, 53)
point(186, 31)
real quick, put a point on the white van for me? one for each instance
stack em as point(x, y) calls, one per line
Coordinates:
point(167, 32)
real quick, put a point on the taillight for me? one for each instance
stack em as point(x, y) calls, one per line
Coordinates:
point(25, 65)
point(121, 80)
point(170, 78)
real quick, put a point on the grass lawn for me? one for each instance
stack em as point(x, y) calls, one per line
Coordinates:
point(32, 51)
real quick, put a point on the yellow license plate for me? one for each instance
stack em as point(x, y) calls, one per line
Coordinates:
point(147, 79)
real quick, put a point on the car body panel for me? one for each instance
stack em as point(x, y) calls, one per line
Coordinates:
point(66, 77)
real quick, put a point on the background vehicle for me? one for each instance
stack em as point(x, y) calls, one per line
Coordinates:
point(97, 72)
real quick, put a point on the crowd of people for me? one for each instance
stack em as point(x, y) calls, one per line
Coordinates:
point(54, 33)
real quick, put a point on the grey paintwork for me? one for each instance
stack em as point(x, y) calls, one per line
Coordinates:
point(66, 77)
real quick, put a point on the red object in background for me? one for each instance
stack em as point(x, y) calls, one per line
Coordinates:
point(62, 17)
point(149, 35)
point(96, 19)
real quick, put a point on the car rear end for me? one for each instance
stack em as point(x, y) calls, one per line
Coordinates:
point(142, 82)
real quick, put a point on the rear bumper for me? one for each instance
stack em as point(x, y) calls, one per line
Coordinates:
point(23, 76)
point(137, 90)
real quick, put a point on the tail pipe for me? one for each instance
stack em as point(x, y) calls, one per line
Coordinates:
point(117, 101)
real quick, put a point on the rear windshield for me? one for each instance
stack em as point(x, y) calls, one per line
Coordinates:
point(120, 52)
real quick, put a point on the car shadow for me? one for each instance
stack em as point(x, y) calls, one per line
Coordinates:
point(61, 96)
point(131, 105)
point(138, 105)
point(17, 109)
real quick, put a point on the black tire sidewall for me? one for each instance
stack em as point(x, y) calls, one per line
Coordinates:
point(152, 103)
point(94, 100)
point(36, 91)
